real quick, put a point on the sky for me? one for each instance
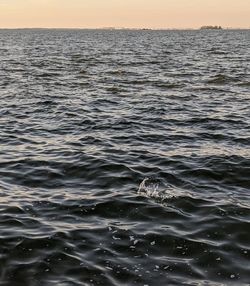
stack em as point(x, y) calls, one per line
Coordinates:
point(124, 13)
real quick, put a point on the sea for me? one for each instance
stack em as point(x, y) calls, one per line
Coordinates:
point(124, 157)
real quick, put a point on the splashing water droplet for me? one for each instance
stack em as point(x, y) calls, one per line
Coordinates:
point(154, 188)
point(149, 187)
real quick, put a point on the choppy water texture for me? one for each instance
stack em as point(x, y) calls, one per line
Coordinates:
point(124, 158)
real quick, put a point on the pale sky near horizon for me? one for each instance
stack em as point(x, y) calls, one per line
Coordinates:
point(124, 13)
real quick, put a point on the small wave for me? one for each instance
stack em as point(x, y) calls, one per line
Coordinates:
point(168, 85)
point(218, 52)
point(221, 79)
point(244, 84)
point(118, 72)
point(82, 71)
point(47, 75)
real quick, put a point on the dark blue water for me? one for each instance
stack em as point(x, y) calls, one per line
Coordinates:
point(124, 157)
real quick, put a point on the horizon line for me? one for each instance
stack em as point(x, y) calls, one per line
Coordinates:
point(116, 28)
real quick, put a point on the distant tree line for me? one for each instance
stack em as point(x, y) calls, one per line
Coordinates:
point(211, 28)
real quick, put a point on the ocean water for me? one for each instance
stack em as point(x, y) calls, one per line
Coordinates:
point(124, 158)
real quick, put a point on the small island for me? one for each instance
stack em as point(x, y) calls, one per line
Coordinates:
point(211, 28)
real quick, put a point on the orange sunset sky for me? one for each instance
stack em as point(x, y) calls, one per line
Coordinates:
point(124, 13)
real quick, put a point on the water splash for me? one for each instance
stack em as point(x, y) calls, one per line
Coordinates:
point(154, 188)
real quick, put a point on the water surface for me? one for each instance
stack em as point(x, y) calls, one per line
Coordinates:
point(124, 157)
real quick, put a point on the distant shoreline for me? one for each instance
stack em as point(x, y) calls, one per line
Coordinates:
point(128, 29)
